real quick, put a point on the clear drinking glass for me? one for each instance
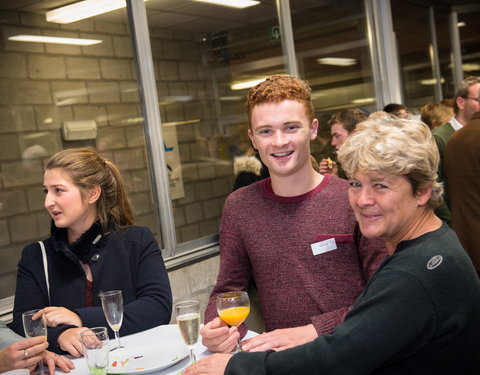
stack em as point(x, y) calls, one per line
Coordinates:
point(96, 349)
point(34, 328)
point(233, 308)
point(112, 304)
point(188, 320)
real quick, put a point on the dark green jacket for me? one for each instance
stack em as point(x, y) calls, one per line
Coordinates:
point(441, 135)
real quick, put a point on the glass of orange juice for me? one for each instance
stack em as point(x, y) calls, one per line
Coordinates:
point(233, 308)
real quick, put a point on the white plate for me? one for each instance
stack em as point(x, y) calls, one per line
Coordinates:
point(17, 372)
point(140, 359)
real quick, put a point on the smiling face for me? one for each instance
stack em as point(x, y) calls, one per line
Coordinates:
point(339, 135)
point(386, 207)
point(281, 132)
point(66, 204)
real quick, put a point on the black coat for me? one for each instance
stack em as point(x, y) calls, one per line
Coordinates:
point(128, 259)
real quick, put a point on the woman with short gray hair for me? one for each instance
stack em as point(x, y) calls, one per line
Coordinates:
point(419, 312)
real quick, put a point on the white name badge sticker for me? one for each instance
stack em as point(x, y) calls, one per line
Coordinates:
point(323, 246)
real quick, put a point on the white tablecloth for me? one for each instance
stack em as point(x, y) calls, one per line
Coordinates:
point(161, 333)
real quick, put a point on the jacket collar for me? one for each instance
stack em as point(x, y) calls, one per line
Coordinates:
point(84, 248)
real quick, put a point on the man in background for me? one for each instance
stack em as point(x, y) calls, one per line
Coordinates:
point(396, 109)
point(342, 124)
point(462, 167)
point(465, 104)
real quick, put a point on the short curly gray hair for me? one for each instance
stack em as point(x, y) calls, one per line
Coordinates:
point(387, 144)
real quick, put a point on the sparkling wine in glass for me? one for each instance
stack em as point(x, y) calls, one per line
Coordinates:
point(112, 304)
point(233, 308)
point(34, 328)
point(188, 320)
point(96, 349)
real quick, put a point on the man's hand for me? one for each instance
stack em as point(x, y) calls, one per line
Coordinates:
point(56, 316)
point(280, 339)
point(53, 360)
point(328, 166)
point(70, 341)
point(214, 364)
point(22, 354)
point(217, 337)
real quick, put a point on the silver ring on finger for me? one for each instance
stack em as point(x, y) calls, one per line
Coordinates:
point(25, 354)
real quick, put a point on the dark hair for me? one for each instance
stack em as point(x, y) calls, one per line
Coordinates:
point(349, 118)
point(394, 108)
point(88, 169)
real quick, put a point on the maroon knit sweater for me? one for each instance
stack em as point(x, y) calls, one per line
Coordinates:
point(268, 238)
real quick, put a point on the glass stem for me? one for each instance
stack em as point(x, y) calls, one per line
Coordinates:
point(117, 336)
point(41, 368)
point(237, 348)
point(193, 359)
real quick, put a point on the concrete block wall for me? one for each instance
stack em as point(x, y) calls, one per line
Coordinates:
point(43, 85)
point(194, 282)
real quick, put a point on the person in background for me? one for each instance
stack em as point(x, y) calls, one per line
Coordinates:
point(395, 109)
point(465, 104)
point(435, 114)
point(93, 247)
point(16, 352)
point(248, 169)
point(419, 313)
point(342, 124)
point(293, 234)
point(462, 168)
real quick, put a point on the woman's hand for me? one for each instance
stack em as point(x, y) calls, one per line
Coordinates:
point(70, 341)
point(53, 360)
point(56, 316)
point(214, 364)
point(22, 354)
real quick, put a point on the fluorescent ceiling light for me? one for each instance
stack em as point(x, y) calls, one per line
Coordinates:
point(339, 61)
point(231, 98)
point(53, 39)
point(470, 67)
point(432, 81)
point(232, 3)
point(246, 84)
point(318, 94)
point(461, 24)
point(363, 101)
point(83, 9)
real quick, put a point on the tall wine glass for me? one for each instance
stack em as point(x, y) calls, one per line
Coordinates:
point(96, 350)
point(34, 328)
point(112, 304)
point(233, 308)
point(188, 320)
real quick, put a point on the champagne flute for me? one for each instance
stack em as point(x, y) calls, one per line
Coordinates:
point(233, 308)
point(188, 320)
point(112, 304)
point(34, 328)
point(96, 350)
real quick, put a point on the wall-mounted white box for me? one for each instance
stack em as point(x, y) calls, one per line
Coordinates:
point(79, 130)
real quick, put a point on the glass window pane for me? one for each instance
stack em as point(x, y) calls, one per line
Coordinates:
point(332, 52)
point(45, 88)
point(470, 40)
point(412, 32)
point(200, 51)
